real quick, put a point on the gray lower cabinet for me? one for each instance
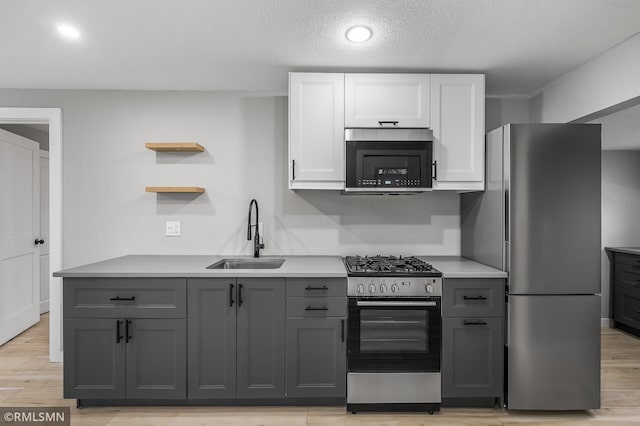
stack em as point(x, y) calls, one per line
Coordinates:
point(316, 357)
point(472, 354)
point(109, 358)
point(236, 338)
point(316, 337)
point(472, 338)
point(125, 338)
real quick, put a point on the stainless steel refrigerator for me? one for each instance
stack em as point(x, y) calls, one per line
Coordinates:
point(539, 219)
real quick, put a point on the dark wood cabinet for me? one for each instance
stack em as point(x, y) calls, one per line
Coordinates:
point(625, 290)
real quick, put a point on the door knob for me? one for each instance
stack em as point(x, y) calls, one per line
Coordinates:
point(39, 241)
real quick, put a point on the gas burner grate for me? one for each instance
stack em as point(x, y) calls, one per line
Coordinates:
point(388, 265)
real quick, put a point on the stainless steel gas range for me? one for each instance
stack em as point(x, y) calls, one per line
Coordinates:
point(394, 340)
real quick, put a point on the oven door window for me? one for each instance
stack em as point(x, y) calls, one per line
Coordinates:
point(389, 338)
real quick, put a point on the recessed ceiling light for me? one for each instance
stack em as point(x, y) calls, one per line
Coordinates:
point(358, 34)
point(68, 31)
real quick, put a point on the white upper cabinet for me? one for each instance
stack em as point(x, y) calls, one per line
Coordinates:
point(316, 131)
point(457, 121)
point(385, 100)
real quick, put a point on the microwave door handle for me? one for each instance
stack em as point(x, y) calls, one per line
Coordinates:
point(434, 168)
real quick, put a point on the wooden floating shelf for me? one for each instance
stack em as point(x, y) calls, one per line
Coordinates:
point(183, 189)
point(174, 146)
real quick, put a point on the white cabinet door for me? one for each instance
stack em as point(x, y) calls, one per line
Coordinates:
point(316, 131)
point(385, 100)
point(457, 120)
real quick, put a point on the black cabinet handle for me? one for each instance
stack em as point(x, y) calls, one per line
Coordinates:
point(342, 330)
point(240, 295)
point(434, 166)
point(39, 241)
point(126, 331)
point(309, 308)
point(474, 323)
point(118, 335)
point(474, 298)
point(382, 123)
point(323, 288)
point(293, 169)
point(118, 298)
point(230, 294)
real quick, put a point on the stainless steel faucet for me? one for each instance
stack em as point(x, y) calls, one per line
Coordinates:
point(257, 245)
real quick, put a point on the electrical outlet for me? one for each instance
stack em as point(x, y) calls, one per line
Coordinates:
point(172, 229)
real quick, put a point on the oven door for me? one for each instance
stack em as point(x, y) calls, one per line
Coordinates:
point(394, 335)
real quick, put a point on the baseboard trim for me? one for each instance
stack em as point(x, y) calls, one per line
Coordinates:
point(44, 306)
point(605, 322)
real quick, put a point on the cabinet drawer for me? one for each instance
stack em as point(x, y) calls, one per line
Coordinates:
point(627, 305)
point(317, 287)
point(628, 275)
point(308, 307)
point(125, 297)
point(472, 298)
point(627, 259)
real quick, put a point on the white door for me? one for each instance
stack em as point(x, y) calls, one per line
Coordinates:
point(19, 228)
point(44, 232)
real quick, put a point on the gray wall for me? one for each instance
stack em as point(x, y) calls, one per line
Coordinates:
point(30, 133)
point(501, 111)
point(106, 167)
point(620, 207)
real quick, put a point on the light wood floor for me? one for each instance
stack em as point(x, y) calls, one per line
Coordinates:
point(27, 378)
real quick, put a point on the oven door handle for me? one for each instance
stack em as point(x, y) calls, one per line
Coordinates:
point(403, 303)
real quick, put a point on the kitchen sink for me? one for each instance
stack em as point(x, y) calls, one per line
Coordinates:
point(253, 263)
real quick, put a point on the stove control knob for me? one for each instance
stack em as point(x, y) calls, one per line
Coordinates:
point(360, 288)
point(372, 288)
point(383, 288)
point(394, 288)
point(429, 288)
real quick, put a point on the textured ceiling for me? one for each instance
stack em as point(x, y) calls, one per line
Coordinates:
point(251, 44)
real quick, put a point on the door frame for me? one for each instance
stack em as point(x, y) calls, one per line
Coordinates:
point(52, 117)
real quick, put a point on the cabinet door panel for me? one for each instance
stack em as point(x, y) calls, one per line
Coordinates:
point(157, 359)
point(457, 118)
point(316, 357)
point(371, 98)
point(93, 359)
point(212, 338)
point(627, 305)
point(316, 131)
point(261, 338)
point(472, 357)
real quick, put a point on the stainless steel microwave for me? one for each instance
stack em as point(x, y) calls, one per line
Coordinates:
point(389, 160)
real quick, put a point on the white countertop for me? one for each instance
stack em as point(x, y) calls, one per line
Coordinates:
point(460, 267)
point(196, 266)
point(293, 266)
